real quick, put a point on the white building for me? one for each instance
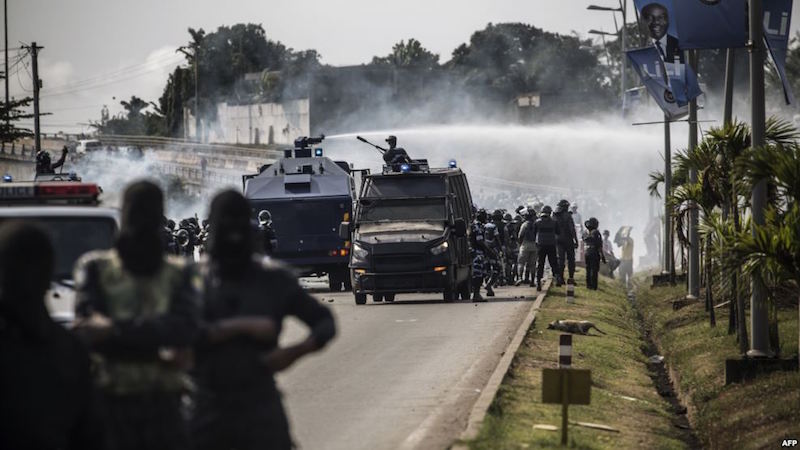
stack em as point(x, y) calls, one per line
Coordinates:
point(257, 124)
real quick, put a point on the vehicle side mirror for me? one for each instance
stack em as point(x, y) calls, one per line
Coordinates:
point(460, 228)
point(344, 231)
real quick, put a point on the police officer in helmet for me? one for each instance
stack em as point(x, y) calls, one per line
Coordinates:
point(269, 240)
point(395, 155)
point(546, 231)
point(44, 164)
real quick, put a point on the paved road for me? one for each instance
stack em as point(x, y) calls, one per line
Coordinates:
point(401, 375)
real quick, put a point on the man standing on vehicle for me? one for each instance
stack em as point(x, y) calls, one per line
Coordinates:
point(395, 156)
point(137, 312)
point(567, 242)
point(43, 162)
point(546, 231)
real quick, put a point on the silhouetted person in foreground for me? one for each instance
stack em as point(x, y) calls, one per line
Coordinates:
point(138, 310)
point(245, 300)
point(46, 399)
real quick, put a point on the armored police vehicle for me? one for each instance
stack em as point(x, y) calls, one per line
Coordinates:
point(308, 196)
point(69, 212)
point(409, 233)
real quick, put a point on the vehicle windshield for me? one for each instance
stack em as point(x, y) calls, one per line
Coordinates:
point(74, 236)
point(375, 210)
point(406, 186)
point(304, 217)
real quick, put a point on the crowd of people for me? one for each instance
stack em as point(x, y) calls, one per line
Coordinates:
point(513, 249)
point(163, 354)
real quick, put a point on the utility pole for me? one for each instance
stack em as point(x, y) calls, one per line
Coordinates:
point(623, 5)
point(37, 84)
point(694, 242)
point(759, 322)
point(7, 75)
point(669, 261)
point(730, 62)
point(198, 136)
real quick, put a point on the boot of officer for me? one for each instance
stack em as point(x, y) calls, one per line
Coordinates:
point(137, 312)
point(45, 389)
point(245, 300)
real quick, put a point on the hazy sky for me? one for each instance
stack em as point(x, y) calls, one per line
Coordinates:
point(99, 49)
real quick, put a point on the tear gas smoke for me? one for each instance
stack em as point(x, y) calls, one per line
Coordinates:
point(602, 166)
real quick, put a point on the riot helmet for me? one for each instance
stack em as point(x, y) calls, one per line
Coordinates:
point(562, 206)
point(482, 216)
point(264, 218)
point(546, 211)
point(392, 141)
point(592, 223)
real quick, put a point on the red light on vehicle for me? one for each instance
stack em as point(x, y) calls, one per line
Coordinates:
point(67, 190)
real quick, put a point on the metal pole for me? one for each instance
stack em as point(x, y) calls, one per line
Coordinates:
point(694, 242)
point(759, 322)
point(624, 8)
point(196, 95)
point(36, 85)
point(669, 262)
point(730, 60)
point(5, 28)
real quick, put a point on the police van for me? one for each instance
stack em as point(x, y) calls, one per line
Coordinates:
point(69, 212)
point(409, 233)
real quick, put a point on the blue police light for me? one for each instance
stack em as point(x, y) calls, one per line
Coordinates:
point(7, 178)
point(317, 152)
point(452, 164)
point(405, 168)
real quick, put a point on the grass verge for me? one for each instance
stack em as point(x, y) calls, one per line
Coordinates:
point(623, 392)
point(757, 414)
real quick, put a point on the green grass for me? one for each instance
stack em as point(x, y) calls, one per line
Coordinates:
point(756, 414)
point(623, 394)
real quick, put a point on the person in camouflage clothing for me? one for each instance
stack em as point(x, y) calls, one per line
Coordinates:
point(137, 311)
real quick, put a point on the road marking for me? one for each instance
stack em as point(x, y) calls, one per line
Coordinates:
point(405, 320)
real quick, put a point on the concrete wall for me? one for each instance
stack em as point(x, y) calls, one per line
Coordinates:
point(261, 123)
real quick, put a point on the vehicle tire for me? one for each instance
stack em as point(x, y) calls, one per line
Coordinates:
point(464, 290)
point(348, 282)
point(448, 295)
point(389, 297)
point(361, 299)
point(377, 298)
point(334, 282)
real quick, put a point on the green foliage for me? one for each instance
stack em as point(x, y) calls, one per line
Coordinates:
point(409, 54)
point(136, 122)
point(11, 114)
point(514, 58)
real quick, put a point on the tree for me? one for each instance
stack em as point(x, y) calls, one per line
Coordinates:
point(409, 54)
point(510, 59)
point(9, 115)
point(137, 121)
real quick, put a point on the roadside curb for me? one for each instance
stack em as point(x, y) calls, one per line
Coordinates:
point(489, 391)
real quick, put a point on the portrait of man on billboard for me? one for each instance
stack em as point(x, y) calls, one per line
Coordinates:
point(656, 17)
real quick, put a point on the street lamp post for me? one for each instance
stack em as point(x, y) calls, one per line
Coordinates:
point(623, 38)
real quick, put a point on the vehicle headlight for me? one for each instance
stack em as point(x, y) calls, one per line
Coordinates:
point(359, 252)
point(441, 248)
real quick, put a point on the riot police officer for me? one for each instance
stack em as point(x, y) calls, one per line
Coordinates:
point(567, 242)
point(44, 164)
point(546, 231)
point(269, 240)
point(481, 252)
point(594, 252)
